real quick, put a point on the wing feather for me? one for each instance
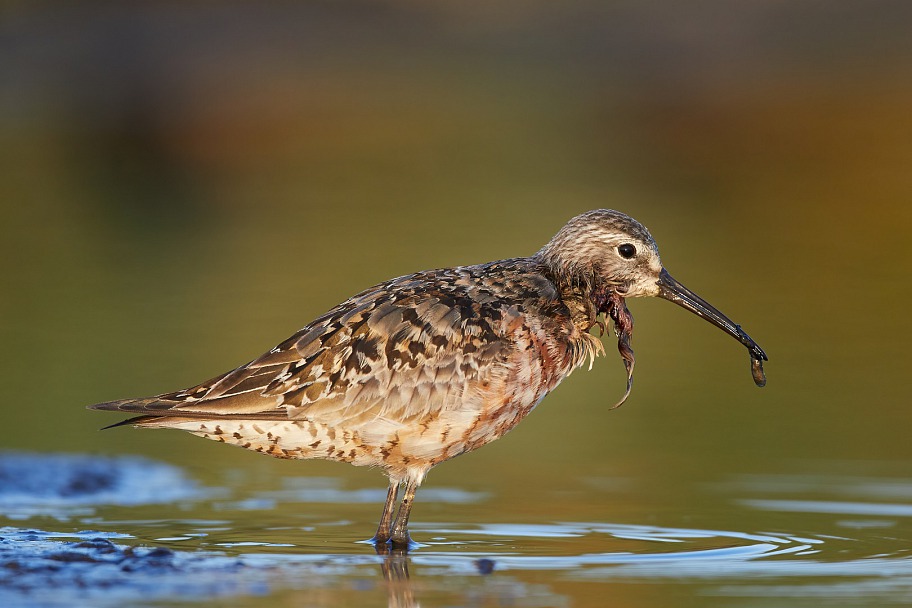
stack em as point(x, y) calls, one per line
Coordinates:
point(394, 353)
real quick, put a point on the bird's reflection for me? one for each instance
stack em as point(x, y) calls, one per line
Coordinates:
point(394, 567)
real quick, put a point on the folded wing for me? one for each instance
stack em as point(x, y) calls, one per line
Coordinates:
point(397, 352)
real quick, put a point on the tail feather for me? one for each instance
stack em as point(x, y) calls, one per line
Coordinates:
point(145, 405)
point(156, 412)
point(135, 420)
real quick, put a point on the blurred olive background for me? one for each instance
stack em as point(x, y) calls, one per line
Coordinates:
point(184, 184)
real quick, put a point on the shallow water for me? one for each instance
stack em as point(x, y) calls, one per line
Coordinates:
point(803, 540)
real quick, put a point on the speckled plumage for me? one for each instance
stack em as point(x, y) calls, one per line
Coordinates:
point(421, 368)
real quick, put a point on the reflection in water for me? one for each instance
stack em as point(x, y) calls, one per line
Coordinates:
point(463, 577)
point(395, 570)
point(396, 574)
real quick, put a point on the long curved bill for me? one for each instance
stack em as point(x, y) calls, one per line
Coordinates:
point(673, 291)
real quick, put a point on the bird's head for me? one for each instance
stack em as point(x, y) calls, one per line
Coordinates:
point(609, 252)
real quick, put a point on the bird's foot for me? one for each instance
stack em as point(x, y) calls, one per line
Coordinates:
point(402, 541)
point(379, 539)
point(392, 545)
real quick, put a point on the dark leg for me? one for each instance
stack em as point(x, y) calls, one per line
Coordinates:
point(383, 531)
point(400, 536)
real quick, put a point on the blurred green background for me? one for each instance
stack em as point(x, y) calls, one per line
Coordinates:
point(185, 184)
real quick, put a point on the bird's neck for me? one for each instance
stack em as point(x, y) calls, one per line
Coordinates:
point(580, 291)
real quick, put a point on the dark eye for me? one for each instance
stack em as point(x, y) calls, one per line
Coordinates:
point(627, 250)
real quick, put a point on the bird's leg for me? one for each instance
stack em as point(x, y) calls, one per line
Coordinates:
point(400, 536)
point(383, 530)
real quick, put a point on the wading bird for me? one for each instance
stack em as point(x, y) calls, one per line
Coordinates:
point(428, 366)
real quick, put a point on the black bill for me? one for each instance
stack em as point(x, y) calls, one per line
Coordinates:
point(673, 291)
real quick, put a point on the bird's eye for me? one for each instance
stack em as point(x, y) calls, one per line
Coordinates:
point(627, 250)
